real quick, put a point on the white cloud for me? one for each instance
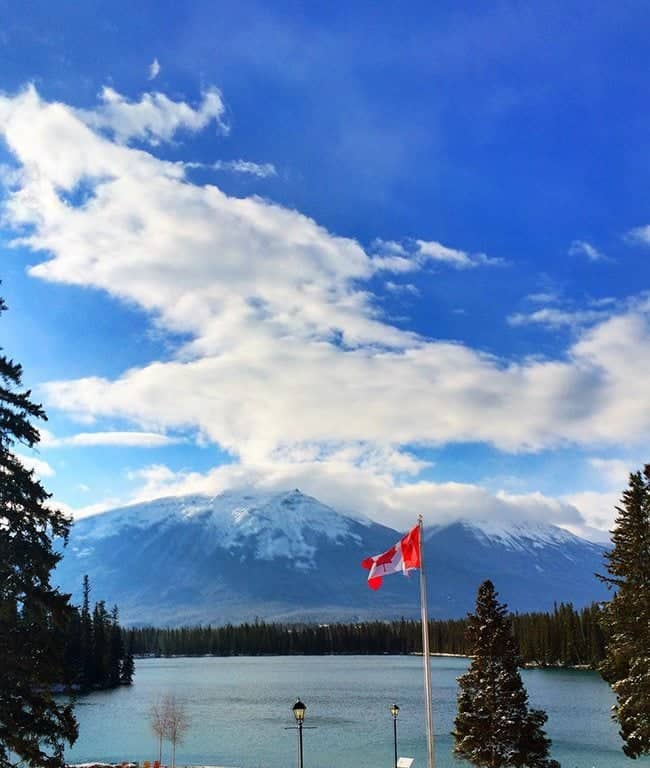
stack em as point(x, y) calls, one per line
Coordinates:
point(616, 472)
point(125, 439)
point(39, 466)
point(87, 511)
point(261, 170)
point(392, 256)
point(597, 510)
point(409, 288)
point(434, 251)
point(598, 507)
point(432, 392)
point(154, 118)
point(552, 317)
point(543, 297)
point(364, 492)
point(154, 69)
point(583, 248)
point(411, 255)
point(288, 355)
point(639, 235)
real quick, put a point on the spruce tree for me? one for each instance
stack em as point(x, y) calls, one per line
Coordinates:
point(33, 615)
point(127, 670)
point(494, 727)
point(627, 616)
point(88, 675)
point(101, 646)
point(116, 652)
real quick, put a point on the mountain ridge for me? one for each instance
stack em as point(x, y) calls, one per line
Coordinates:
point(286, 556)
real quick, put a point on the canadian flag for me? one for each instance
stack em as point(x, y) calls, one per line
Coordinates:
point(402, 558)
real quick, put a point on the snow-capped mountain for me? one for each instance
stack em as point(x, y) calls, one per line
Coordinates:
point(287, 556)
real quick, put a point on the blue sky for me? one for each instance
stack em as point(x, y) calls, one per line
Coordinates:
point(399, 260)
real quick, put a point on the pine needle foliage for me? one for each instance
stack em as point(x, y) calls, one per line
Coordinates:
point(33, 615)
point(627, 616)
point(494, 727)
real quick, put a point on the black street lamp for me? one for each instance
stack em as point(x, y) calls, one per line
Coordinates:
point(299, 710)
point(394, 710)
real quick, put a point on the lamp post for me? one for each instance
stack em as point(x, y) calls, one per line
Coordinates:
point(299, 710)
point(394, 710)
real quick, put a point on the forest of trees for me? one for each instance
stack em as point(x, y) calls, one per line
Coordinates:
point(564, 637)
point(96, 655)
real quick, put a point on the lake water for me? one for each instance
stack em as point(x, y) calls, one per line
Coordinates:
point(239, 708)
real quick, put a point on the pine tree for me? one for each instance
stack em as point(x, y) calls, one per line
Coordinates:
point(88, 675)
point(494, 727)
point(116, 650)
point(627, 616)
point(100, 645)
point(33, 615)
point(127, 669)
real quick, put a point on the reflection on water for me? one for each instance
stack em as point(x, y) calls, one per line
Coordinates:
point(239, 708)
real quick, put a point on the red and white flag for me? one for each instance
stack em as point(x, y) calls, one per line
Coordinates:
point(402, 558)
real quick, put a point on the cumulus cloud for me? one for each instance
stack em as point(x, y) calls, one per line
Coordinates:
point(431, 393)
point(597, 508)
point(290, 366)
point(411, 255)
point(361, 492)
point(597, 512)
point(153, 119)
point(434, 251)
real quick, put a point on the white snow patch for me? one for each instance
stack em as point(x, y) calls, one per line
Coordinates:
point(520, 535)
point(285, 524)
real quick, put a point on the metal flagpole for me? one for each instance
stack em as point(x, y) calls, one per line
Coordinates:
point(425, 651)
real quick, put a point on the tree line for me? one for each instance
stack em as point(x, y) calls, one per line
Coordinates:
point(95, 655)
point(565, 637)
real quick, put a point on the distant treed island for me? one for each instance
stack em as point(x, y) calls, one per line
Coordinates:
point(565, 637)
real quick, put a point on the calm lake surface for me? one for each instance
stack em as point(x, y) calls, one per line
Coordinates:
point(239, 708)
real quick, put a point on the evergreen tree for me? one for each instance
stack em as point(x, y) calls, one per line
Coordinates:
point(33, 615)
point(94, 648)
point(101, 646)
point(89, 675)
point(627, 616)
point(494, 727)
point(116, 650)
point(127, 669)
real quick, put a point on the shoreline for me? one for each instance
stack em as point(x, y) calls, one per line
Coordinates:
point(432, 654)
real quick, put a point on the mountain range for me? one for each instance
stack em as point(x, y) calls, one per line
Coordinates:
point(288, 557)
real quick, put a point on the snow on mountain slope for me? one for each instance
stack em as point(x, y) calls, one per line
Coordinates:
point(282, 524)
point(286, 556)
point(520, 535)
